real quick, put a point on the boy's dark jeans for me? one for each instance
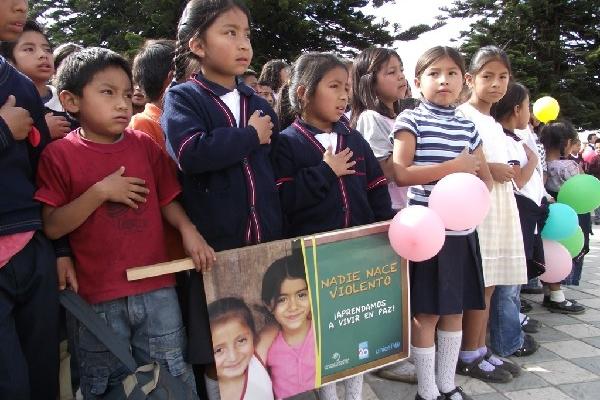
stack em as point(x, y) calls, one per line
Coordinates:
point(29, 323)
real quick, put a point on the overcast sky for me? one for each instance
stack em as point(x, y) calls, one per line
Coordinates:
point(419, 12)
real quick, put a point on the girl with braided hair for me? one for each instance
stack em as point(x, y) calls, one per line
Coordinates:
point(220, 133)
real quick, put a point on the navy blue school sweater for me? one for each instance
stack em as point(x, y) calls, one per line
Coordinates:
point(313, 198)
point(19, 159)
point(229, 189)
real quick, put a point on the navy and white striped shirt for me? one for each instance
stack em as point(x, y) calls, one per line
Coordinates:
point(441, 136)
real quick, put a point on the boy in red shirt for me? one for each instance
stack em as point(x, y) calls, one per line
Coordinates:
point(109, 189)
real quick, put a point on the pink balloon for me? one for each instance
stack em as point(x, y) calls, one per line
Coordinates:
point(558, 262)
point(462, 200)
point(417, 233)
point(588, 155)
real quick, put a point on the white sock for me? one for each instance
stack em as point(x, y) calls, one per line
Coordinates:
point(424, 360)
point(328, 392)
point(354, 387)
point(212, 388)
point(447, 357)
point(557, 295)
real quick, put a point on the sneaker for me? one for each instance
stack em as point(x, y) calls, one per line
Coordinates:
point(507, 365)
point(473, 370)
point(403, 371)
point(528, 347)
point(564, 307)
point(457, 390)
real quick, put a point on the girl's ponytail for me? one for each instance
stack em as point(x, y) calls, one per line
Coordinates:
point(284, 108)
point(307, 71)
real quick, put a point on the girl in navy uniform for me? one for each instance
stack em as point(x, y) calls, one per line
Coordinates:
point(328, 177)
point(219, 132)
point(430, 142)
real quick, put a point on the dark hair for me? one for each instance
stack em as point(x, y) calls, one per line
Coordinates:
point(364, 80)
point(307, 71)
point(227, 307)
point(79, 69)
point(486, 55)
point(271, 73)
point(590, 136)
point(436, 53)
point(7, 48)
point(555, 135)
point(151, 67)
point(196, 18)
point(515, 95)
point(249, 72)
point(289, 267)
point(263, 83)
point(63, 51)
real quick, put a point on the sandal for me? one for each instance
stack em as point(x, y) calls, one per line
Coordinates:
point(459, 390)
point(440, 397)
point(472, 369)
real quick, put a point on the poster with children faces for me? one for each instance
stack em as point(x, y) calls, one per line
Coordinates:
point(290, 316)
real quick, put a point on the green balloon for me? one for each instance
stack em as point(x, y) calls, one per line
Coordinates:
point(574, 243)
point(581, 192)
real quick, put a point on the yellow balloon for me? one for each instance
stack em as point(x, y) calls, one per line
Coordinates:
point(546, 109)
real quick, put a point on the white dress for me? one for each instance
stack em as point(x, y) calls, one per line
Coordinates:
point(500, 235)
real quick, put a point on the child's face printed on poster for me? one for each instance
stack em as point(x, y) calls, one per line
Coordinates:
point(233, 346)
point(292, 307)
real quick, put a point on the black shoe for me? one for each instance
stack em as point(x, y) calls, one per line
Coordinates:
point(530, 325)
point(440, 397)
point(536, 290)
point(565, 307)
point(458, 390)
point(507, 365)
point(525, 307)
point(473, 370)
point(546, 301)
point(528, 347)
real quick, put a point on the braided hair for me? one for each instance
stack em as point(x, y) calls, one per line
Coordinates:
point(196, 18)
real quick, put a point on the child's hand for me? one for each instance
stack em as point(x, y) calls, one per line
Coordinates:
point(263, 126)
point(340, 163)
point(196, 247)
point(467, 162)
point(67, 279)
point(58, 125)
point(121, 189)
point(17, 118)
point(502, 172)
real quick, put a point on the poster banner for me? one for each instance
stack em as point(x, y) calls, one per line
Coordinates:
point(292, 315)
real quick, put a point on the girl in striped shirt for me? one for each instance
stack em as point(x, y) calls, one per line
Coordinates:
point(431, 142)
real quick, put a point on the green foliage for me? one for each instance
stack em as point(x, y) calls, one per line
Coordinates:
point(280, 28)
point(554, 46)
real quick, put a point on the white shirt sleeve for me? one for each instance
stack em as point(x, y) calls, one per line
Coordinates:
point(376, 129)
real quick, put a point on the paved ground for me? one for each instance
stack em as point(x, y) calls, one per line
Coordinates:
point(567, 365)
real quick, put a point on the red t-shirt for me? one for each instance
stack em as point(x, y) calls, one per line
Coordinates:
point(114, 237)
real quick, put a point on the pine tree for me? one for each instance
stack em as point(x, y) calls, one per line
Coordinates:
point(554, 46)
